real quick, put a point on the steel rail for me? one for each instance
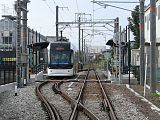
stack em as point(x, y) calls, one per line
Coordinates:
point(73, 102)
point(106, 100)
point(75, 112)
point(65, 81)
point(51, 110)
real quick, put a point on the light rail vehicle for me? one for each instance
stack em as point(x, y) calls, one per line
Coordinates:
point(60, 59)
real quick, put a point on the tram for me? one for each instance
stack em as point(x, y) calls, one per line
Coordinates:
point(60, 59)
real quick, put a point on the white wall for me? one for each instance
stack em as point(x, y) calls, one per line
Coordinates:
point(147, 29)
point(135, 57)
point(147, 23)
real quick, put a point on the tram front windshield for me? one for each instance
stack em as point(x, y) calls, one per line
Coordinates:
point(60, 57)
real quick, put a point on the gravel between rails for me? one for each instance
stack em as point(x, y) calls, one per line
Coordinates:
point(61, 104)
point(93, 100)
point(72, 90)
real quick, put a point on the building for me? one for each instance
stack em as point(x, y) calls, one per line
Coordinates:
point(135, 57)
point(96, 49)
point(8, 39)
point(147, 36)
point(8, 35)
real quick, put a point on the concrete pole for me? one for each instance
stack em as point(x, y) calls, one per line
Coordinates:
point(79, 37)
point(129, 57)
point(24, 43)
point(119, 55)
point(18, 48)
point(39, 40)
point(126, 40)
point(56, 23)
point(82, 49)
point(153, 45)
point(142, 41)
point(29, 52)
point(116, 30)
point(36, 54)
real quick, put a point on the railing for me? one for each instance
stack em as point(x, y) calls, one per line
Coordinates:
point(38, 68)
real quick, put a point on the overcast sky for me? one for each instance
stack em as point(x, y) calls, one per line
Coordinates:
point(41, 17)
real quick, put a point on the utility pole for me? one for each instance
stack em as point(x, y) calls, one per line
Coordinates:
point(56, 23)
point(79, 37)
point(82, 49)
point(24, 43)
point(153, 45)
point(119, 40)
point(57, 20)
point(129, 56)
point(142, 41)
point(116, 30)
point(18, 48)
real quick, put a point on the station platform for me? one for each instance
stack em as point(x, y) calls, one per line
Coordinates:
point(41, 76)
point(11, 86)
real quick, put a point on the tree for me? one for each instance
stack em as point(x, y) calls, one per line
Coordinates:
point(134, 26)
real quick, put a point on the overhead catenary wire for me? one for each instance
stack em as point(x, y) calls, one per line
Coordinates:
point(68, 15)
point(117, 1)
point(49, 6)
point(62, 3)
point(54, 2)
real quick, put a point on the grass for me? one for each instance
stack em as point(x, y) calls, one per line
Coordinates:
point(155, 94)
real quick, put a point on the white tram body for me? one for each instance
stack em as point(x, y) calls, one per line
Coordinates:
point(60, 59)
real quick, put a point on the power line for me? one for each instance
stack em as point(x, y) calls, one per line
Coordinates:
point(54, 2)
point(49, 6)
point(62, 3)
point(57, 5)
point(106, 5)
point(63, 6)
point(65, 11)
point(116, 1)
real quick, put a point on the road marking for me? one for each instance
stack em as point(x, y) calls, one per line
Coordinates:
point(72, 84)
point(69, 88)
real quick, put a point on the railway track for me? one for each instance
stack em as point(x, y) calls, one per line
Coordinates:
point(78, 108)
point(50, 108)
